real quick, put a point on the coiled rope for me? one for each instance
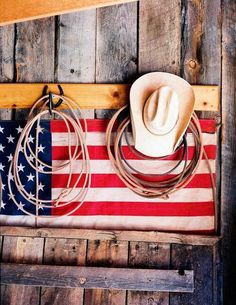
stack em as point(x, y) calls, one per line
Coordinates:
point(80, 151)
point(164, 183)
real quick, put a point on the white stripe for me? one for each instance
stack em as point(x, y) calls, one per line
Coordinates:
point(25, 220)
point(132, 223)
point(98, 138)
point(145, 166)
point(126, 195)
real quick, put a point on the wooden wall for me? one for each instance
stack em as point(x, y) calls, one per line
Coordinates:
point(195, 39)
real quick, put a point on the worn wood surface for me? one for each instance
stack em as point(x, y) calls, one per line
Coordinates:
point(108, 96)
point(21, 250)
point(229, 149)
point(149, 236)
point(17, 11)
point(95, 277)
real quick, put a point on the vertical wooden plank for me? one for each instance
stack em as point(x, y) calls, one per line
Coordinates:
point(63, 252)
point(76, 37)
point(199, 259)
point(159, 36)
point(159, 50)
point(21, 250)
point(106, 253)
point(229, 149)
point(201, 41)
point(7, 35)
point(148, 255)
point(116, 52)
point(35, 51)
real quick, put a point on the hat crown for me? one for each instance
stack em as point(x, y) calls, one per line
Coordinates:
point(161, 111)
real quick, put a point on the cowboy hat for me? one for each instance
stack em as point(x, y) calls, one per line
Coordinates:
point(161, 106)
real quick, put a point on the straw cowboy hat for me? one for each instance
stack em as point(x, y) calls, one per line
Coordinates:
point(161, 106)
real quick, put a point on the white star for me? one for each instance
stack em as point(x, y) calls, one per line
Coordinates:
point(40, 129)
point(31, 139)
point(11, 196)
point(30, 177)
point(10, 139)
point(19, 129)
point(21, 205)
point(21, 149)
point(31, 158)
point(3, 186)
point(1, 129)
point(1, 167)
point(41, 148)
point(40, 207)
point(41, 167)
point(41, 186)
point(3, 205)
point(10, 158)
point(31, 196)
point(20, 168)
point(10, 176)
point(2, 148)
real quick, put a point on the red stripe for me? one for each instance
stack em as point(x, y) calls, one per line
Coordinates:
point(101, 125)
point(100, 153)
point(185, 209)
point(113, 181)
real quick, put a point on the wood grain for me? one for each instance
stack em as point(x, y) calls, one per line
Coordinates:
point(159, 36)
point(16, 11)
point(93, 235)
point(200, 259)
point(108, 96)
point(21, 250)
point(75, 61)
point(7, 35)
point(63, 252)
point(116, 55)
point(94, 277)
point(229, 149)
point(148, 255)
point(106, 254)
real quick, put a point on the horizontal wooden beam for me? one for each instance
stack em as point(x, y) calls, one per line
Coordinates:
point(97, 277)
point(12, 11)
point(147, 236)
point(95, 96)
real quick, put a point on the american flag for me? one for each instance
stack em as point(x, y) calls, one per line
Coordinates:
point(108, 204)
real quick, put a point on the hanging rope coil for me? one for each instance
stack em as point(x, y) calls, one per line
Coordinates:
point(78, 151)
point(161, 184)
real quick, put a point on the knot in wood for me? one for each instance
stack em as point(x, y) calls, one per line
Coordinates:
point(192, 63)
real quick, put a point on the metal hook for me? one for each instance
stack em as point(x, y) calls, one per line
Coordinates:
point(50, 104)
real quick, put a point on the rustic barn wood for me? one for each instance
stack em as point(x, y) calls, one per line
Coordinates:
point(95, 277)
point(21, 250)
point(17, 11)
point(149, 236)
point(108, 96)
point(228, 148)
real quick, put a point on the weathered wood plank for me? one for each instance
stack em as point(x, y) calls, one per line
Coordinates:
point(148, 236)
point(95, 96)
point(106, 254)
point(199, 259)
point(148, 255)
point(228, 149)
point(63, 252)
point(35, 51)
point(94, 277)
point(201, 41)
point(7, 35)
point(159, 36)
point(21, 250)
point(76, 49)
point(116, 56)
point(16, 11)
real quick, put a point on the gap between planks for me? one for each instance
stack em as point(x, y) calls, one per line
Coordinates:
point(146, 236)
point(95, 96)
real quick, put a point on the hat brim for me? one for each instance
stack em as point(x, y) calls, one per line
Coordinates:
point(146, 142)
